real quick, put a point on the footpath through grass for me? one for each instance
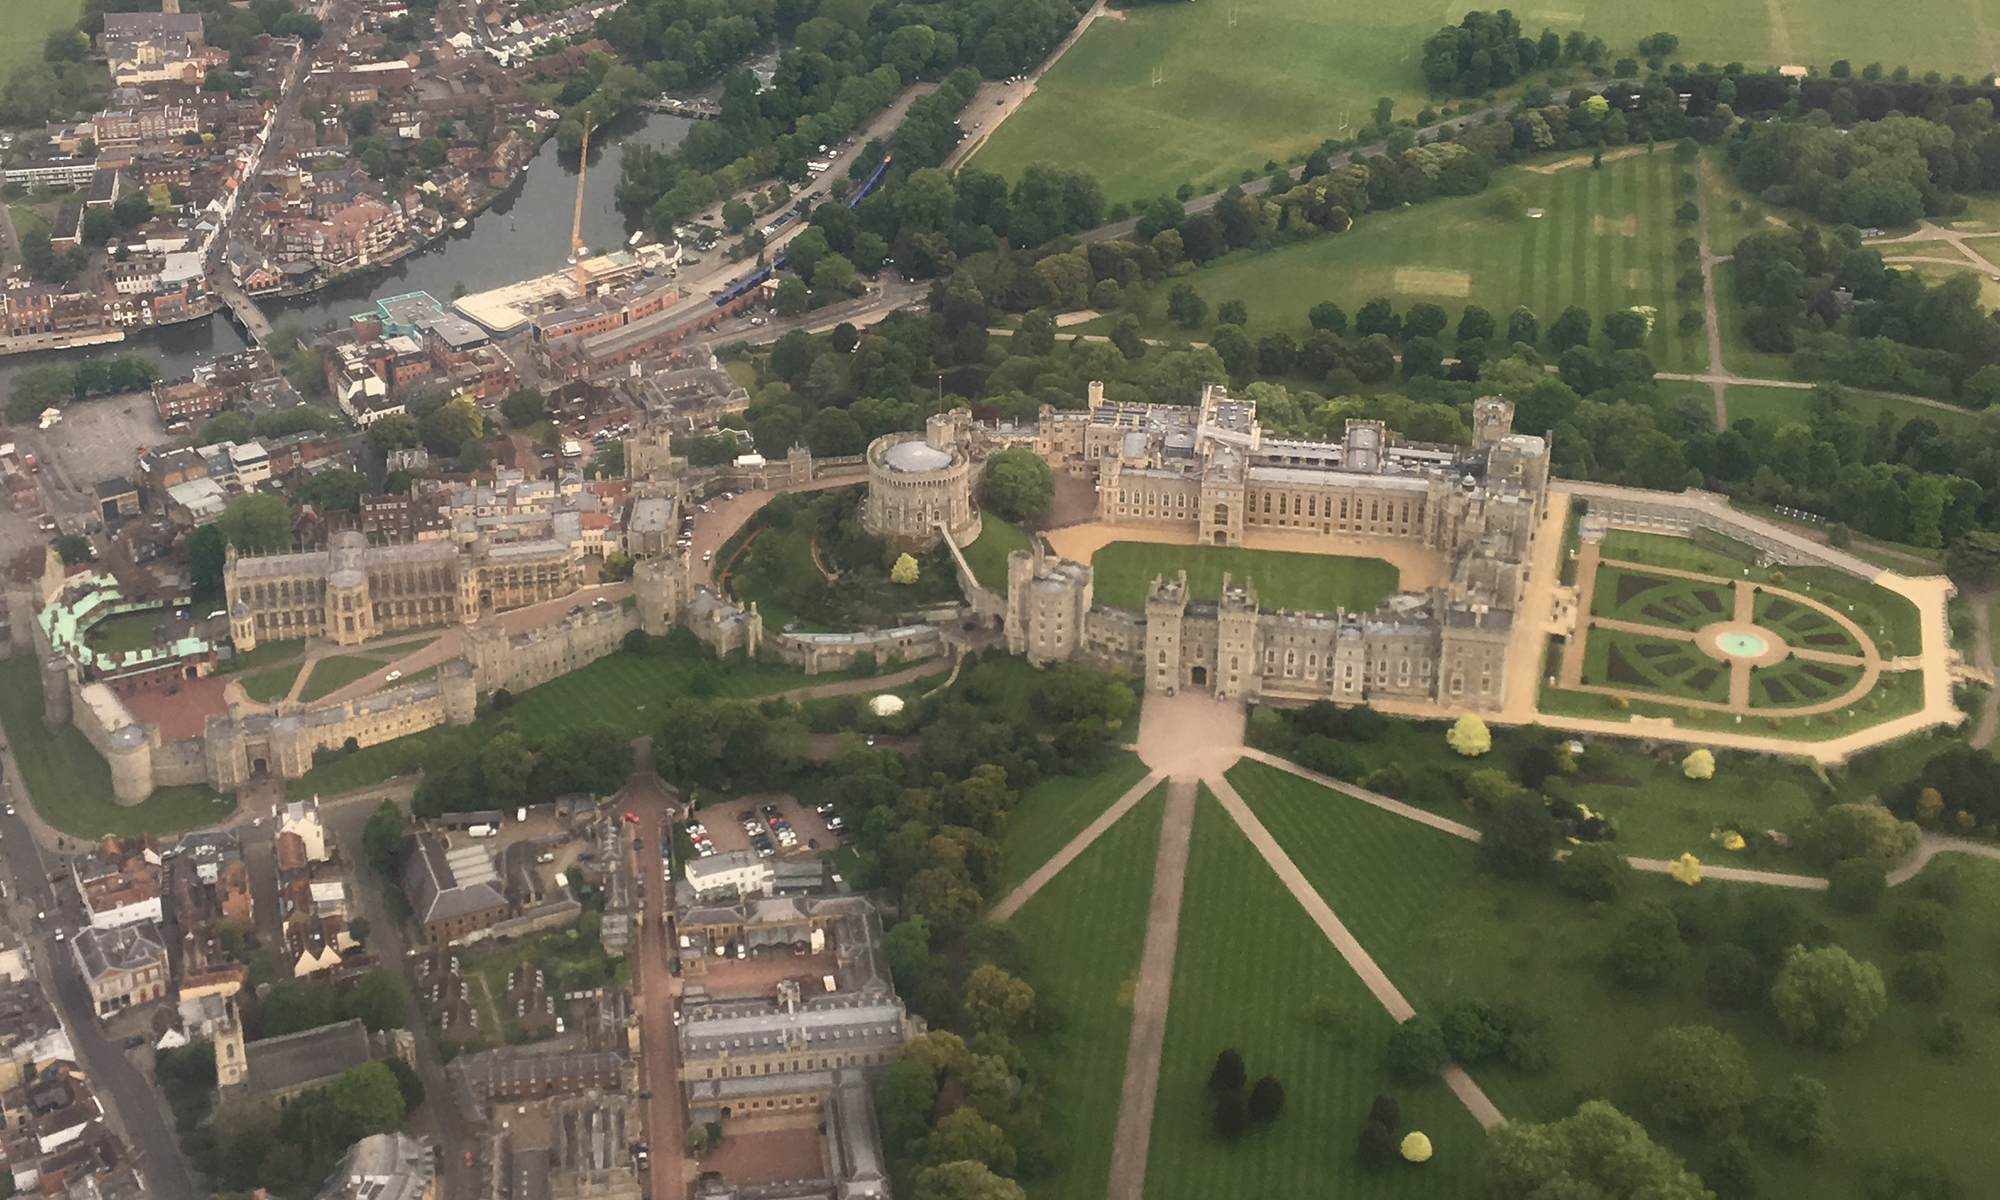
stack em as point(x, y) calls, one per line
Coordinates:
point(1056, 810)
point(334, 672)
point(1442, 929)
point(1254, 974)
point(1083, 935)
point(70, 783)
point(1124, 570)
point(266, 686)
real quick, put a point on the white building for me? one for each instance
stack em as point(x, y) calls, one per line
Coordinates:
point(734, 872)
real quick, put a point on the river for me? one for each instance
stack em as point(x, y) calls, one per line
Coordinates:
point(524, 232)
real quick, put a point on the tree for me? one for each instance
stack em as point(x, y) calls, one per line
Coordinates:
point(1185, 307)
point(333, 490)
point(1796, 1115)
point(1826, 998)
point(1228, 1074)
point(1415, 1050)
point(737, 216)
point(1594, 871)
point(1378, 1145)
point(1572, 328)
point(1475, 324)
point(1647, 948)
point(1469, 736)
point(1598, 1152)
point(1699, 764)
point(1231, 1118)
point(1734, 979)
point(258, 525)
point(524, 406)
point(72, 548)
point(1378, 316)
point(1267, 1100)
point(1328, 317)
point(1626, 329)
point(904, 1100)
point(1696, 1076)
point(1416, 1147)
point(964, 1136)
point(1519, 839)
point(1524, 327)
point(382, 839)
point(905, 570)
point(1425, 320)
point(377, 999)
point(1856, 885)
point(1860, 831)
point(1019, 484)
point(997, 1002)
point(1918, 924)
point(207, 551)
point(965, 1181)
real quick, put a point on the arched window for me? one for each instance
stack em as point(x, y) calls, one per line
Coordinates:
point(1222, 514)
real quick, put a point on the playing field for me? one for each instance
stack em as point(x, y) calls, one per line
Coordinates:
point(1082, 967)
point(1606, 241)
point(1254, 974)
point(29, 23)
point(1315, 582)
point(1195, 93)
point(1443, 928)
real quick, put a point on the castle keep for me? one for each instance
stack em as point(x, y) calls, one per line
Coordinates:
point(1209, 470)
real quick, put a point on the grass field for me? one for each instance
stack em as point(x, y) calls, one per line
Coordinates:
point(1253, 973)
point(987, 555)
point(1083, 969)
point(266, 686)
point(1441, 928)
point(1668, 601)
point(125, 633)
point(69, 781)
point(334, 672)
point(1606, 242)
point(1124, 570)
point(616, 689)
point(1056, 810)
point(29, 23)
point(266, 654)
point(1786, 405)
point(1294, 72)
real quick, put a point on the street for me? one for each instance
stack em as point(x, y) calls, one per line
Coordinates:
point(140, 1114)
point(657, 997)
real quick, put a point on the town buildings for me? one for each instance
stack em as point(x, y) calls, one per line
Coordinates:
point(123, 965)
point(385, 1166)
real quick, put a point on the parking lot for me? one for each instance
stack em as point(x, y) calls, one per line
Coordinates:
point(97, 440)
point(725, 830)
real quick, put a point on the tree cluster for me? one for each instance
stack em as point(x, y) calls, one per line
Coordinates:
point(55, 385)
point(1235, 1112)
point(1487, 50)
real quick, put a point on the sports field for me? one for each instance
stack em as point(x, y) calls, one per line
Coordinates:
point(29, 23)
point(1083, 969)
point(1179, 93)
point(1254, 974)
point(1606, 241)
point(1315, 582)
point(1442, 928)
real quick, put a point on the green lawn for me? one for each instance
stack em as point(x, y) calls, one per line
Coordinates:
point(1796, 683)
point(1663, 600)
point(69, 781)
point(1802, 626)
point(266, 686)
point(332, 673)
point(1668, 667)
point(1606, 242)
point(29, 23)
point(1250, 973)
point(1242, 83)
point(1316, 582)
point(617, 689)
point(1083, 969)
point(266, 654)
point(1668, 550)
point(125, 633)
point(1056, 810)
point(987, 555)
point(1782, 406)
point(1442, 928)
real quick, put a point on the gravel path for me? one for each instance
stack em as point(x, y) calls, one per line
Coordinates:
point(1013, 901)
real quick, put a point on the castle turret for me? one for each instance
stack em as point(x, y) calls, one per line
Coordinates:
point(131, 760)
point(660, 585)
point(1166, 612)
point(460, 692)
point(1235, 639)
point(55, 691)
point(1492, 419)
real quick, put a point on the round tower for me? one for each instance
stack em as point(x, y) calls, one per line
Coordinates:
point(131, 760)
point(55, 691)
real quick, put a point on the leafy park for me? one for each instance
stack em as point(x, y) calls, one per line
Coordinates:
point(808, 564)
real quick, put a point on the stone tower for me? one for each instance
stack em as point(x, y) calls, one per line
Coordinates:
point(131, 759)
point(227, 1034)
point(1166, 611)
point(1235, 639)
point(55, 691)
point(460, 692)
point(350, 617)
point(660, 585)
point(1492, 419)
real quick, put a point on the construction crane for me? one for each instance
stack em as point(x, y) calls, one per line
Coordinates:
point(576, 226)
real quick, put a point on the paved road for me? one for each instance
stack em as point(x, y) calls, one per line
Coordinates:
point(657, 996)
point(154, 1148)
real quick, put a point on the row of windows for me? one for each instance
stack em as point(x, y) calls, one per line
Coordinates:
point(802, 1064)
point(1295, 504)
